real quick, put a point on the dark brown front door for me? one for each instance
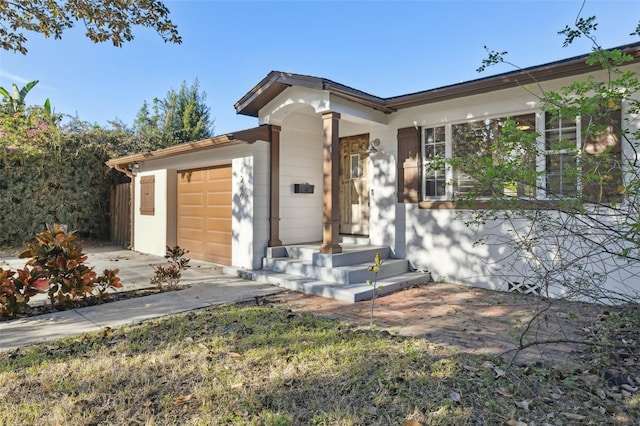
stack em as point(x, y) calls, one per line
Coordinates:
point(354, 185)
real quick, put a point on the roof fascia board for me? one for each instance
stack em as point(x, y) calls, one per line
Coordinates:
point(276, 82)
point(493, 83)
point(243, 136)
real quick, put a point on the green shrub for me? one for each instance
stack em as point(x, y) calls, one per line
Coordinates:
point(52, 175)
point(57, 257)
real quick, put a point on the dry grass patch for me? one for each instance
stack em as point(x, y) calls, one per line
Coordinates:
point(265, 365)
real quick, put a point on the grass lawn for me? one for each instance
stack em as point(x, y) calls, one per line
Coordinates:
point(266, 365)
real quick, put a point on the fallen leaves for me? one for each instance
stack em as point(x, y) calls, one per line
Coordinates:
point(573, 416)
point(182, 399)
point(499, 372)
point(505, 392)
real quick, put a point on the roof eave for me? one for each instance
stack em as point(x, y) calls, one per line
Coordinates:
point(531, 75)
point(243, 136)
point(276, 82)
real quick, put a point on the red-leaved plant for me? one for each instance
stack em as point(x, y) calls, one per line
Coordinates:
point(15, 292)
point(170, 275)
point(57, 257)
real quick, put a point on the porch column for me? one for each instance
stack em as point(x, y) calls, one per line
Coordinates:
point(331, 174)
point(274, 185)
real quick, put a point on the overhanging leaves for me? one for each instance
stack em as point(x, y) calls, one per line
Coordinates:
point(104, 20)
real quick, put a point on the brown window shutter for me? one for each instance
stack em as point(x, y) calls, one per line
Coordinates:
point(147, 195)
point(409, 165)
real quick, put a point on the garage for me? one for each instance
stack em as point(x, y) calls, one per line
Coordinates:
point(204, 213)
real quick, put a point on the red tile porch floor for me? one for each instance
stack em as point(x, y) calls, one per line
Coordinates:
point(470, 319)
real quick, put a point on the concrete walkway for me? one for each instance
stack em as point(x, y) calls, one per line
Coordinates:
point(208, 287)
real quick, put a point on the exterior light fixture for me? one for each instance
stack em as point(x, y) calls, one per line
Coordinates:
point(134, 167)
point(373, 147)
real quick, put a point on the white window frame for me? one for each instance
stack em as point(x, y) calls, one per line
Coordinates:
point(425, 163)
point(448, 128)
point(541, 192)
point(355, 167)
point(541, 162)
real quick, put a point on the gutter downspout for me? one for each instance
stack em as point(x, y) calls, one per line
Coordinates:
point(131, 176)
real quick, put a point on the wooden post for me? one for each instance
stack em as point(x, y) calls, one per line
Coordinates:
point(274, 184)
point(331, 193)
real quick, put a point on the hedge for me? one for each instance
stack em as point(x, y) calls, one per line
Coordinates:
point(48, 175)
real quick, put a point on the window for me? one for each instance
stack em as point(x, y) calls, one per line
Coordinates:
point(471, 140)
point(356, 172)
point(434, 147)
point(561, 145)
point(471, 143)
point(602, 169)
point(583, 157)
point(562, 158)
point(476, 141)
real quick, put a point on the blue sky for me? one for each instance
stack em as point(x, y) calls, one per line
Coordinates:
point(385, 48)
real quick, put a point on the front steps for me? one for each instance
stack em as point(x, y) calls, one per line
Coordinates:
point(341, 276)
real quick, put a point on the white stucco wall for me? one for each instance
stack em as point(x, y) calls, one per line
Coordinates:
point(150, 231)
point(243, 183)
point(261, 194)
point(250, 218)
point(440, 241)
point(300, 162)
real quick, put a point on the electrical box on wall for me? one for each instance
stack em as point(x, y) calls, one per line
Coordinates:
point(303, 188)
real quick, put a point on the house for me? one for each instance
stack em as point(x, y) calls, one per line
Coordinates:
point(331, 175)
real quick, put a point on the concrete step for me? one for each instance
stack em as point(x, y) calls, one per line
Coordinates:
point(352, 273)
point(354, 239)
point(351, 293)
point(351, 254)
point(342, 276)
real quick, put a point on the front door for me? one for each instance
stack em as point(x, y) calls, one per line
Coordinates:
point(354, 185)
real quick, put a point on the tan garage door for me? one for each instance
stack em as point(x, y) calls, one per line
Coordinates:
point(204, 213)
